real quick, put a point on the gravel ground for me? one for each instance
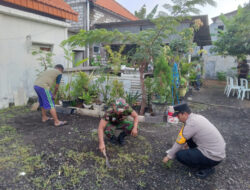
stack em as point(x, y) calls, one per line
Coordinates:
point(68, 157)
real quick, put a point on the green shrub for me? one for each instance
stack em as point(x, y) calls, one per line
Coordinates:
point(117, 90)
point(80, 84)
point(221, 76)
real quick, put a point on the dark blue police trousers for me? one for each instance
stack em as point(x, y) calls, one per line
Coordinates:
point(193, 157)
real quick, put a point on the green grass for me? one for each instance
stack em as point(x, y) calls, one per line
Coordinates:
point(75, 167)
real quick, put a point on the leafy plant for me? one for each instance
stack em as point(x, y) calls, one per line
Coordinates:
point(162, 79)
point(141, 14)
point(79, 84)
point(86, 97)
point(115, 58)
point(117, 90)
point(44, 58)
point(69, 55)
point(60, 93)
point(104, 87)
point(132, 98)
point(149, 89)
point(234, 40)
point(183, 82)
point(185, 68)
point(221, 76)
point(96, 61)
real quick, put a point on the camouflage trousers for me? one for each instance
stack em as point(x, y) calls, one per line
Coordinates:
point(125, 126)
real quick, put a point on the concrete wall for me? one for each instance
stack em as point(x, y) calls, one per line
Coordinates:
point(214, 63)
point(19, 33)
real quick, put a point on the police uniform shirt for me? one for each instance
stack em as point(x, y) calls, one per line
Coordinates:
point(206, 136)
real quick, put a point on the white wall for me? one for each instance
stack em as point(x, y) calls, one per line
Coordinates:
point(17, 64)
point(214, 63)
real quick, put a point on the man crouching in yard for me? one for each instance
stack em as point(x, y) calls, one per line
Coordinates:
point(205, 146)
point(42, 85)
point(114, 119)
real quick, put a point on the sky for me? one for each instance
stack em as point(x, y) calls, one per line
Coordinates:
point(223, 6)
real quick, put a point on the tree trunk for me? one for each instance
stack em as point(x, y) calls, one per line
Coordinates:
point(144, 99)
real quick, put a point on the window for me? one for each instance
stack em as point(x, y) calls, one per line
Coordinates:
point(42, 46)
point(220, 27)
point(96, 49)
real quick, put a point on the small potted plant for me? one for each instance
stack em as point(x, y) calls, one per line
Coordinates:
point(87, 99)
point(183, 87)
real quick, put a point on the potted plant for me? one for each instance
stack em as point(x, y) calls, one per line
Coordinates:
point(132, 100)
point(162, 85)
point(149, 90)
point(87, 99)
point(69, 55)
point(183, 87)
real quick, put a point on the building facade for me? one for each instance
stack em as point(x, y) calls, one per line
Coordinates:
point(24, 29)
point(93, 12)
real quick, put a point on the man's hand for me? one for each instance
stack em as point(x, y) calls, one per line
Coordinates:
point(166, 159)
point(134, 132)
point(102, 147)
point(54, 96)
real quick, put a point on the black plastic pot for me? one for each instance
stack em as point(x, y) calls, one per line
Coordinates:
point(67, 103)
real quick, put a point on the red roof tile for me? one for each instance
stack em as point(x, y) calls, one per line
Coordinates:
point(115, 7)
point(53, 7)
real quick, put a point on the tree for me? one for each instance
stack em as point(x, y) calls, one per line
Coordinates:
point(185, 7)
point(45, 59)
point(235, 39)
point(142, 13)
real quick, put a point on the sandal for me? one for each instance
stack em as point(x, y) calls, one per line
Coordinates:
point(49, 119)
point(62, 123)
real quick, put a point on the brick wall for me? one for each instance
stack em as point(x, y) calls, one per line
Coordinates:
point(80, 7)
point(97, 15)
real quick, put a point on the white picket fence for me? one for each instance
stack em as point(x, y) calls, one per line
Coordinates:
point(131, 82)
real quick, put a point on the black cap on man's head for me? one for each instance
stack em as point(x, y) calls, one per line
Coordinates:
point(59, 66)
point(181, 108)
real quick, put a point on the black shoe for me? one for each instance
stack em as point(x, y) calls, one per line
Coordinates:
point(121, 138)
point(113, 139)
point(204, 173)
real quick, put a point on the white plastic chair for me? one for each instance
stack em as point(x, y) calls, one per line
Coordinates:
point(244, 88)
point(227, 86)
point(233, 86)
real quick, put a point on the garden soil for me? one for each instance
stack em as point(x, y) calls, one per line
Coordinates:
point(68, 157)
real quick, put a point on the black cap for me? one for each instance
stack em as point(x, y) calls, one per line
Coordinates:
point(59, 66)
point(181, 108)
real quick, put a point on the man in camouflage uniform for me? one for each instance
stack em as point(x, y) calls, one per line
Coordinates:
point(114, 119)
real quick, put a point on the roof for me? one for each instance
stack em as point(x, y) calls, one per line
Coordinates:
point(57, 8)
point(115, 7)
point(226, 14)
point(201, 37)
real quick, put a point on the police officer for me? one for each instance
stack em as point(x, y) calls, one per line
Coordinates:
point(205, 146)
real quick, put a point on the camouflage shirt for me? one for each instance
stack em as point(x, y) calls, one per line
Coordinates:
point(114, 118)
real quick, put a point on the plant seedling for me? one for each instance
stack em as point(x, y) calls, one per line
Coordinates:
point(168, 164)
